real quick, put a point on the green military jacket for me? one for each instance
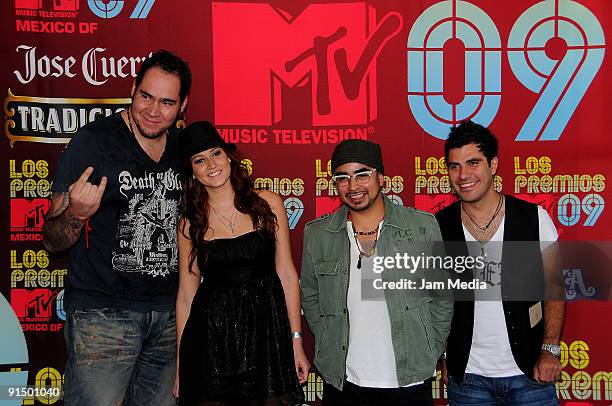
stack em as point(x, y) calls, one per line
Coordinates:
point(420, 319)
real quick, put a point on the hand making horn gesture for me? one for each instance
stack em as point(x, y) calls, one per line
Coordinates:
point(84, 196)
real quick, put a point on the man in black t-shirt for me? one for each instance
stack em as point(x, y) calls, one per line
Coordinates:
point(115, 205)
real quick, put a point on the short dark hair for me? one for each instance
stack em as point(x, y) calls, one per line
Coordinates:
point(170, 63)
point(468, 132)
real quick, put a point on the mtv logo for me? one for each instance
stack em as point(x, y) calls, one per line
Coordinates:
point(28, 213)
point(433, 203)
point(34, 303)
point(324, 53)
point(30, 4)
point(65, 5)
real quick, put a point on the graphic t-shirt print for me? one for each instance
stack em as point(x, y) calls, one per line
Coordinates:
point(146, 233)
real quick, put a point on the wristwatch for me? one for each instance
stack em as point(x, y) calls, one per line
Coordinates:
point(554, 349)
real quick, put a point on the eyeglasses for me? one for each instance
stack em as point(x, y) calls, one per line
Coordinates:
point(361, 178)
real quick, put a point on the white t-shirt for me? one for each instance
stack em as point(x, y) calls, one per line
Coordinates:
point(490, 354)
point(370, 360)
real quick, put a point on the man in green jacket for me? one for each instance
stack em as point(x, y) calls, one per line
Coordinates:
point(378, 332)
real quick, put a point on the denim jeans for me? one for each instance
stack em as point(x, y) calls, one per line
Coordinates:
point(517, 390)
point(119, 357)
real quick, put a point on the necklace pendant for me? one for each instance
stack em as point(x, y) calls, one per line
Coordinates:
point(359, 263)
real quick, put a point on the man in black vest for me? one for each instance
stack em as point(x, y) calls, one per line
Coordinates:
point(506, 350)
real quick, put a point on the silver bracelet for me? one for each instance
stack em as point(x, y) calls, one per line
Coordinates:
point(296, 334)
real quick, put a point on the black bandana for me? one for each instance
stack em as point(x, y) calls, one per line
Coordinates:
point(361, 151)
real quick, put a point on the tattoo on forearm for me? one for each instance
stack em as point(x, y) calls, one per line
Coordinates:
point(65, 201)
point(61, 229)
point(59, 203)
point(73, 221)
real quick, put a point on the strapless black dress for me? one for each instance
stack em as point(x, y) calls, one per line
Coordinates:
point(236, 347)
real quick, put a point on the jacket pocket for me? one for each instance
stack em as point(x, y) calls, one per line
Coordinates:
point(419, 321)
point(329, 281)
point(426, 321)
point(413, 302)
point(320, 340)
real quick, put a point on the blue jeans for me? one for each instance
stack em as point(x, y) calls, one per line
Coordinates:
point(119, 357)
point(517, 390)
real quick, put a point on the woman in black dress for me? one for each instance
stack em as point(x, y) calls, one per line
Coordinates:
point(238, 305)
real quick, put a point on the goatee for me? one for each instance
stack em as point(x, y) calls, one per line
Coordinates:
point(150, 136)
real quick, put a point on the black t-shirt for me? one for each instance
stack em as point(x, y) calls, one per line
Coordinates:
point(127, 255)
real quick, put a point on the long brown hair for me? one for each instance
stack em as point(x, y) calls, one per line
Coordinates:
point(195, 207)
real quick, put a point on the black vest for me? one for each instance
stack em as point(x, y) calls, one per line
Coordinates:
point(520, 224)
